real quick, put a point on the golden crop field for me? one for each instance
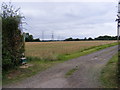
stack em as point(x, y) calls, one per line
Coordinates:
point(51, 50)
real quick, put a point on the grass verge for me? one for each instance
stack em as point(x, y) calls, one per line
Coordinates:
point(84, 52)
point(39, 65)
point(108, 76)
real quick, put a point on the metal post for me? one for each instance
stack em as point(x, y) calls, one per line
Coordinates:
point(118, 25)
point(118, 54)
point(24, 35)
point(23, 59)
point(118, 33)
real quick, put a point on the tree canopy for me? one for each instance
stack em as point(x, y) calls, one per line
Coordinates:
point(12, 38)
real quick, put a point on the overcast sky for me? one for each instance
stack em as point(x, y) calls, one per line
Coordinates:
point(69, 19)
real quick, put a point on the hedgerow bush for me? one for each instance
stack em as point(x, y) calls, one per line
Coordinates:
point(12, 38)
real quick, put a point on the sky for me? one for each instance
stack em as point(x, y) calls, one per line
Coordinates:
point(68, 18)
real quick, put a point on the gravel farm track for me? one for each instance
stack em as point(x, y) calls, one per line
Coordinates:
point(86, 76)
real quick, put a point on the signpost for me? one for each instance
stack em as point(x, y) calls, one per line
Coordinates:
point(23, 59)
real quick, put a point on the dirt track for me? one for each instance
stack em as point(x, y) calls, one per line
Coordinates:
point(87, 75)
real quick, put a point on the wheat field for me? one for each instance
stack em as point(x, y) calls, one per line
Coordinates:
point(51, 50)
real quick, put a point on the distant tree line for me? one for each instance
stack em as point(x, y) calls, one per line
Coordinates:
point(29, 38)
point(106, 38)
point(90, 39)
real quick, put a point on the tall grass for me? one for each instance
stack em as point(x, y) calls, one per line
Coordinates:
point(109, 73)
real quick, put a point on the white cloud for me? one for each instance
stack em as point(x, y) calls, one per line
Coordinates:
point(65, 19)
point(73, 19)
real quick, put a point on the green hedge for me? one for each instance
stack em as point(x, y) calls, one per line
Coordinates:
point(12, 39)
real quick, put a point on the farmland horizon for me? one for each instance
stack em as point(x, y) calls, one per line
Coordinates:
point(103, 37)
point(68, 19)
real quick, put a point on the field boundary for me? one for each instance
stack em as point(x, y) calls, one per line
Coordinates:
point(85, 52)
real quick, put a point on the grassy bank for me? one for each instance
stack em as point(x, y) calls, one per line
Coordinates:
point(38, 64)
point(109, 73)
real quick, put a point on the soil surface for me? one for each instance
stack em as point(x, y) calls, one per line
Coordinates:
point(86, 76)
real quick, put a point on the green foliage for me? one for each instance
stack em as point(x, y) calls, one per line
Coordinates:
point(90, 38)
point(69, 39)
point(12, 39)
point(29, 38)
point(97, 38)
point(109, 73)
point(106, 38)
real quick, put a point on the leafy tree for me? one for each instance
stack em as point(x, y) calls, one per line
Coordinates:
point(90, 38)
point(29, 38)
point(12, 38)
point(69, 39)
point(85, 38)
